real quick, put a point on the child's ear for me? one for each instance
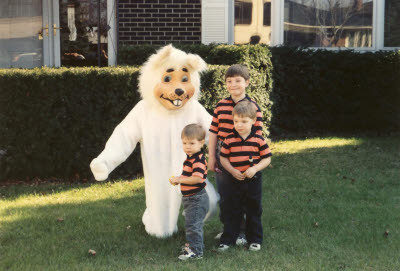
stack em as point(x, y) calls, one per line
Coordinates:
point(247, 82)
point(254, 120)
point(203, 141)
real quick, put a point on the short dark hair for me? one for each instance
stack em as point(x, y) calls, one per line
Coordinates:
point(194, 131)
point(238, 70)
point(245, 109)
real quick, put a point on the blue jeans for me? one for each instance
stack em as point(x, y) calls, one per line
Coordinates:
point(196, 208)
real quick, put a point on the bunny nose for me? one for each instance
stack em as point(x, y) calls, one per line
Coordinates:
point(179, 91)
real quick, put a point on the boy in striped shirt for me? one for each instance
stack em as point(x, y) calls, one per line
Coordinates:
point(237, 79)
point(192, 182)
point(244, 154)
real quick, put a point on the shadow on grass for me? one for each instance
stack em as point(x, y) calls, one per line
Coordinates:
point(14, 191)
point(65, 233)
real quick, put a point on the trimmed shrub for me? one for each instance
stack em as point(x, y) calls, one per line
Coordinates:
point(335, 91)
point(55, 121)
point(136, 55)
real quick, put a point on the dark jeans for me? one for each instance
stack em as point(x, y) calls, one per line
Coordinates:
point(196, 208)
point(223, 180)
point(241, 194)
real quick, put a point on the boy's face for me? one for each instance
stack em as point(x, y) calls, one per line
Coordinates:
point(236, 85)
point(191, 145)
point(243, 124)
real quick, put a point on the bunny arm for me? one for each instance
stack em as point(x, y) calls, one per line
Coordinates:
point(120, 145)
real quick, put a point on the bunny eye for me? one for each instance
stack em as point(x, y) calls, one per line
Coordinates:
point(185, 78)
point(167, 78)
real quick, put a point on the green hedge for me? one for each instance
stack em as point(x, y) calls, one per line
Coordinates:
point(55, 121)
point(335, 91)
point(215, 54)
point(136, 55)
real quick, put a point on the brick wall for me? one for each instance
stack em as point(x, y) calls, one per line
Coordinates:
point(159, 21)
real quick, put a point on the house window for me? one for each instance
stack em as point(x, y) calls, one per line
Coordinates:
point(392, 23)
point(252, 21)
point(267, 13)
point(243, 11)
point(328, 23)
point(79, 22)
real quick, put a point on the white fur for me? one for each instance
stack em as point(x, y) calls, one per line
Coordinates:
point(158, 130)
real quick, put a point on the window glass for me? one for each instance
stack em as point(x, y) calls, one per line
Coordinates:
point(252, 21)
point(79, 20)
point(21, 34)
point(243, 11)
point(392, 23)
point(267, 13)
point(328, 23)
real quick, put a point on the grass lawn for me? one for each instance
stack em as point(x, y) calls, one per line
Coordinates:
point(327, 205)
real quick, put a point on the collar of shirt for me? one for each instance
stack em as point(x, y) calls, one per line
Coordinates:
point(252, 133)
point(245, 98)
point(194, 154)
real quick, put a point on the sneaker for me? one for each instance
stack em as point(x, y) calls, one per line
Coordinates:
point(184, 247)
point(254, 247)
point(223, 247)
point(241, 241)
point(218, 236)
point(189, 254)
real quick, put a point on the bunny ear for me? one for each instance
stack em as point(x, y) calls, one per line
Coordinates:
point(196, 63)
point(161, 56)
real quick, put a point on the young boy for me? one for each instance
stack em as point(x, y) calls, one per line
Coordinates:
point(237, 79)
point(244, 154)
point(195, 199)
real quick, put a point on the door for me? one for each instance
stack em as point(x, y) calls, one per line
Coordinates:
point(28, 33)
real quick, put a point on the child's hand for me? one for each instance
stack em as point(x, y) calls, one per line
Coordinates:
point(174, 180)
point(238, 175)
point(212, 163)
point(250, 172)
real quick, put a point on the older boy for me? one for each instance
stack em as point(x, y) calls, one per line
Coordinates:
point(237, 80)
point(244, 154)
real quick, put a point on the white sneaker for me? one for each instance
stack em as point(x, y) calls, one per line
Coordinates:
point(241, 241)
point(189, 254)
point(223, 247)
point(218, 236)
point(254, 247)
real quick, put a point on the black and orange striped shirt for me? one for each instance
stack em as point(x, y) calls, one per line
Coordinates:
point(222, 122)
point(195, 165)
point(239, 151)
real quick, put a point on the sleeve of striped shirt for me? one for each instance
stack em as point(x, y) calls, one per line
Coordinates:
point(225, 150)
point(199, 169)
point(214, 122)
point(265, 152)
point(259, 121)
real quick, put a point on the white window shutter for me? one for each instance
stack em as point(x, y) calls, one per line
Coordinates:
point(214, 21)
